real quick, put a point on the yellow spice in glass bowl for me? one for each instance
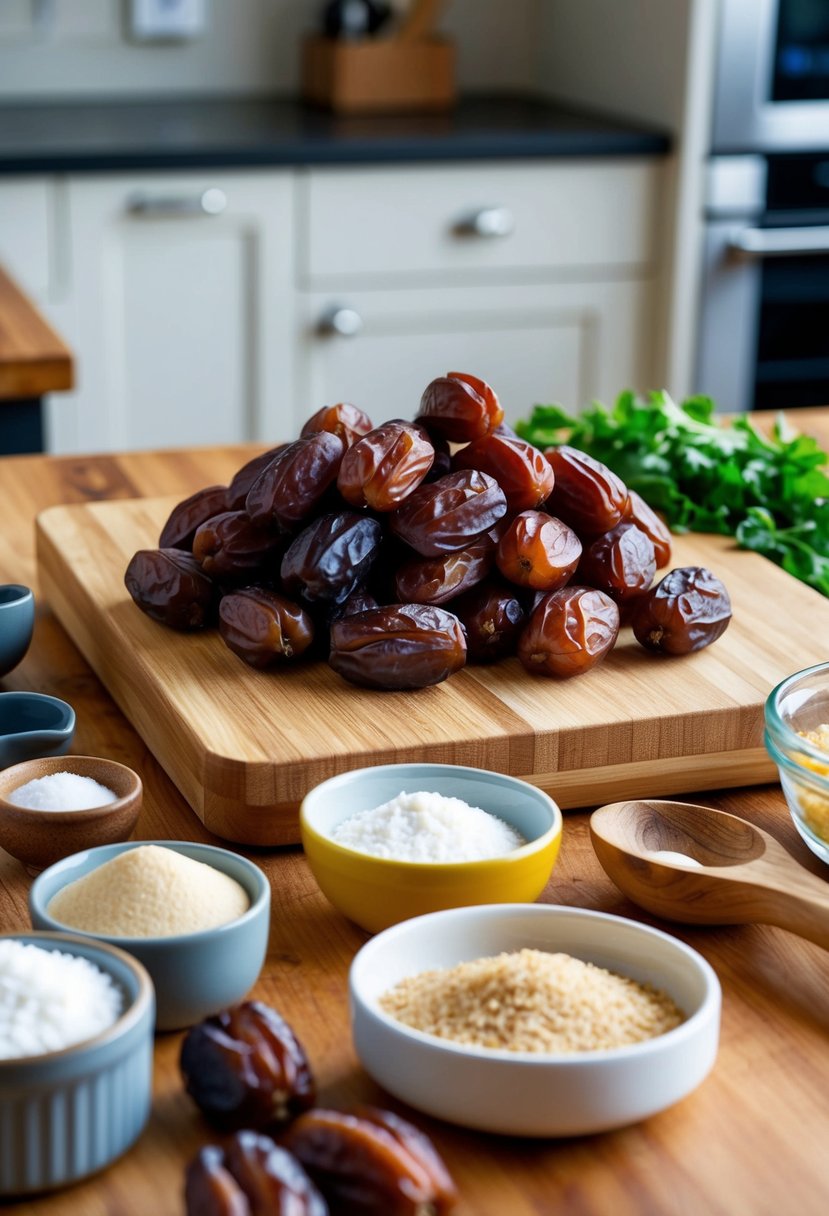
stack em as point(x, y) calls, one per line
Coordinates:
point(814, 806)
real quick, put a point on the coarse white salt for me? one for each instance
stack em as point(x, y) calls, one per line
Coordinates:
point(50, 1000)
point(426, 826)
point(62, 792)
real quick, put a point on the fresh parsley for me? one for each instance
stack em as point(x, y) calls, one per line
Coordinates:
point(769, 491)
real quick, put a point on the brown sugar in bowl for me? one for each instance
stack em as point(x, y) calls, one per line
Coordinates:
point(39, 837)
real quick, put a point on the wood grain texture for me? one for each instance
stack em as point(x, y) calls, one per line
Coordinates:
point(245, 746)
point(33, 359)
point(751, 1140)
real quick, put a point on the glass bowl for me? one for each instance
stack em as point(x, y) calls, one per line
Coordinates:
point(797, 739)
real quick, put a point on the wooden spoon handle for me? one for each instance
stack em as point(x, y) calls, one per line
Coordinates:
point(805, 915)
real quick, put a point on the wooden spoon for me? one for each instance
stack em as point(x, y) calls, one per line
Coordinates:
point(733, 872)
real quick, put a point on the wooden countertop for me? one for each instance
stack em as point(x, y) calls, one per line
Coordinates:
point(33, 359)
point(751, 1141)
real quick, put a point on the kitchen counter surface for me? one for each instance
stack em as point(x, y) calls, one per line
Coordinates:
point(91, 137)
point(751, 1140)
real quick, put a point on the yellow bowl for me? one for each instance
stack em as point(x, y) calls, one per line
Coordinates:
point(376, 892)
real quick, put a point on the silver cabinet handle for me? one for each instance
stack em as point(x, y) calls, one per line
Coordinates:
point(486, 222)
point(344, 322)
point(779, 242)
point(210, 202)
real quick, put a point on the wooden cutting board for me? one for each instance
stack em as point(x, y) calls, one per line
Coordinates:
point(245, 746)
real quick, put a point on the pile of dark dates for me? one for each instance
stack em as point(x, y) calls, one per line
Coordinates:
point(402, 551)
point(250, 1077)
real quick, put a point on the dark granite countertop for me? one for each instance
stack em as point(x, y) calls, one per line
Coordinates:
point(176, 134)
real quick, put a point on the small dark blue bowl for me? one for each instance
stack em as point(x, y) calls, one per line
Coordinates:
point(17, 620)
point(33, 724)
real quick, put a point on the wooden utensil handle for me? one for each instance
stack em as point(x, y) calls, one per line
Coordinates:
point(805, 915)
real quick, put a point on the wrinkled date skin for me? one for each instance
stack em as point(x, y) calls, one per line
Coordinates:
point(434, 580)
point(232, 547)
point(253, 1176)
point(264, 628)
point(640, 513)
point(347, 421)
point(372, 1163)
point(569, 631)
point(586, 495)
point(187, 516)
point(286, 492)
point(459, 407)
point(621, 562)
point(243, 479)
point(244, 1067)
point(449, 513)
point(383, 467)
point(538, 551)
point(399, 646)
point(170, 586)
point(331, 557)
point(521, 470)
point(687, 611)
point(493, 619)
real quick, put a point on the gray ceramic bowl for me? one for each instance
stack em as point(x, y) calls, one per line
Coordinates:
point(17, 620)
point(195, 974)
point(32, 725)
point(69, 1113)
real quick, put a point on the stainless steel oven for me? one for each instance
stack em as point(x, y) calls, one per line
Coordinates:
point(764, 320)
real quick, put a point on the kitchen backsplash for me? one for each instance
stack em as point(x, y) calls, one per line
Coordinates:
point(82, 48)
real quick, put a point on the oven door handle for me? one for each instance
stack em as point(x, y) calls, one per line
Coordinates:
point(779, 242)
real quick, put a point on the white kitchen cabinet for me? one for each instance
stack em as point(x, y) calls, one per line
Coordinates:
point(181, 319)
point(539, 278)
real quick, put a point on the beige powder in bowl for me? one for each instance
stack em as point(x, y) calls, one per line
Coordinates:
point(149, 891)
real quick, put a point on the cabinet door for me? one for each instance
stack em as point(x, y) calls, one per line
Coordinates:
point(183, 300)
point(564, 342)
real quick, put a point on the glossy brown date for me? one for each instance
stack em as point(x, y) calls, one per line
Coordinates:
point(231, 547)
point(187, 516)
point(286, 492)
point(449, 513)
point(244, 1067)
point(621, 562)
point(244, 478)
point(644, 516)
point(383, 467)
point(347, 421)
point(569, 631)
point(587, 495)
point(252, 1176)
point(399, 646)
point(687, 611)
point(434, 580)
point(170, 586)
point(372, 1163)
point(459, 407)
point(521, 470)
point(493, 618)
point(539, 551)
point(330, 558)
point(264, 628)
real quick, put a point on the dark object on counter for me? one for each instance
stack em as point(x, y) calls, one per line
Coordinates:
point(170, 586)
point(244, 1067)
point(353, 18)
point(253, 1174)
point(687, 611)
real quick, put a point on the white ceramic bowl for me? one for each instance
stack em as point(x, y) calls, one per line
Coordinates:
point(524, 1093)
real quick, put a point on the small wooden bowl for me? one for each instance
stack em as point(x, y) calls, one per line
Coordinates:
point(37, 838)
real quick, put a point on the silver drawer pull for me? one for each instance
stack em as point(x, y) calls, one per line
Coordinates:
point(779, 242)
point(486, 222)
point(344, 322)
point(210, 202)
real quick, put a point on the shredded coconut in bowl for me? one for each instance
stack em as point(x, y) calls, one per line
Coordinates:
point(428, 827)
point(50, 999)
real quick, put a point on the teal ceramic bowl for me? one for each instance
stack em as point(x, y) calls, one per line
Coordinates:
point(17, 621)
point(32, 725)
point(67, 1114)
point(194, 974)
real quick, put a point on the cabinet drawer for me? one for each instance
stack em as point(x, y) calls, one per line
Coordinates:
point(378, 223)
